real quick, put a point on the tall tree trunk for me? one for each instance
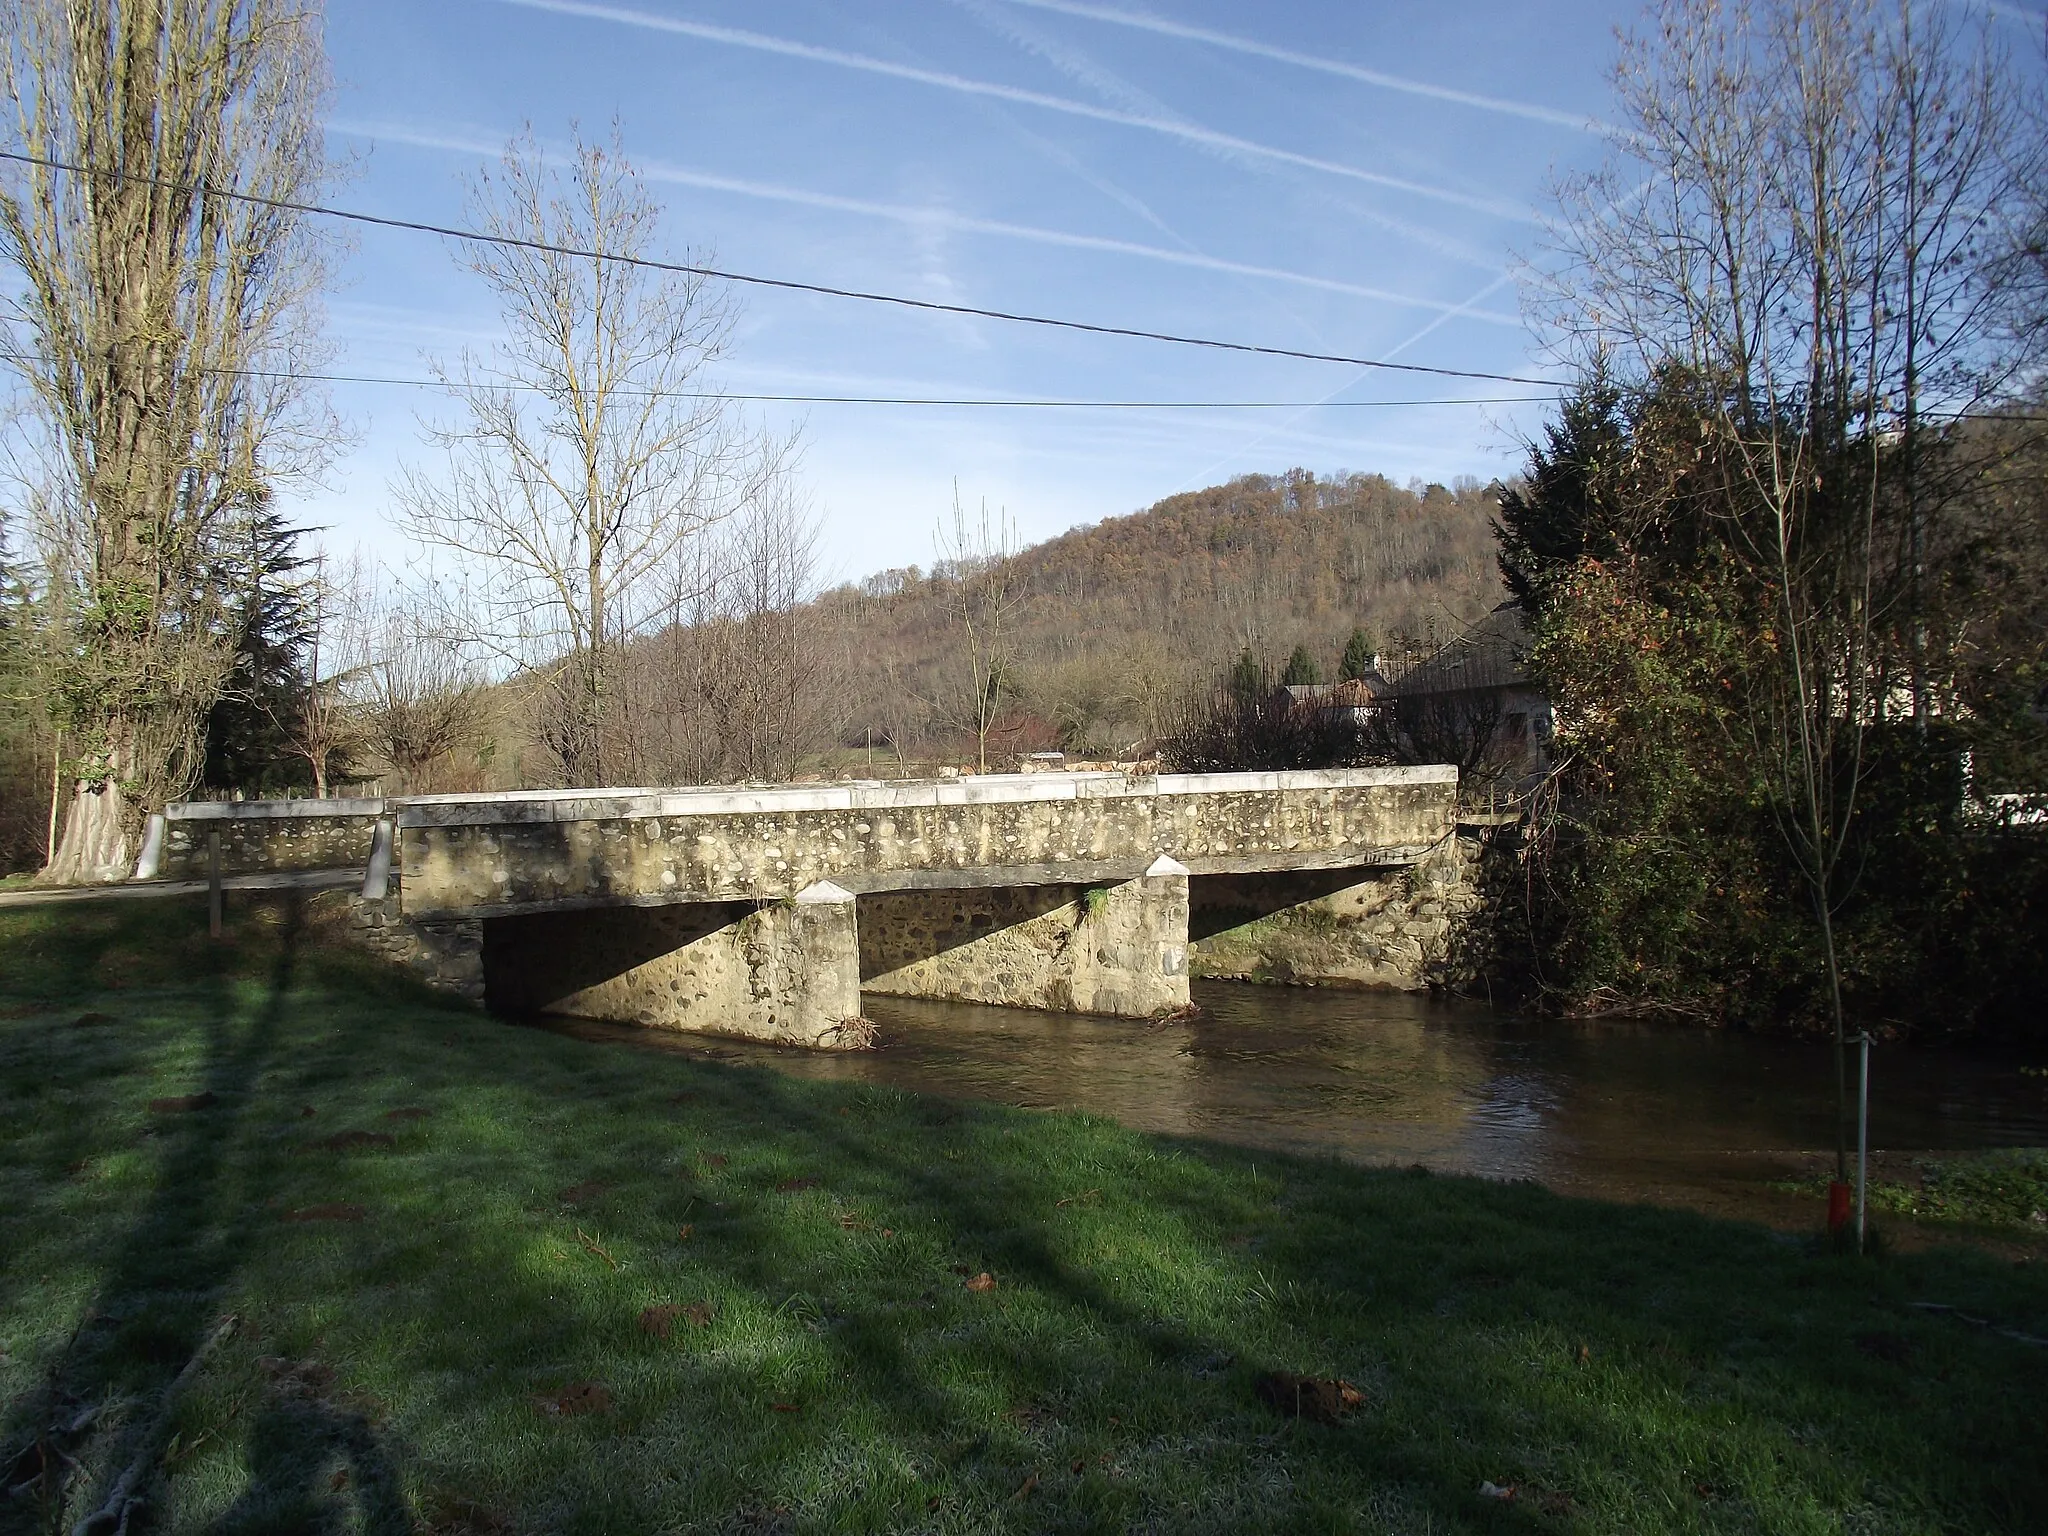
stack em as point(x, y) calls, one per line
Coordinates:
point(94, 847)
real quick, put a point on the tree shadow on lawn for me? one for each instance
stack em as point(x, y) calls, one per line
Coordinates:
point(166, 1281)
point(1625, 1368)
point(1630, 1366)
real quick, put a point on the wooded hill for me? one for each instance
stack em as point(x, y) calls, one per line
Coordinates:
point(1111, 618)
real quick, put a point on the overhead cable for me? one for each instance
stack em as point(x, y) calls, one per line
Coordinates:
point(726, 275)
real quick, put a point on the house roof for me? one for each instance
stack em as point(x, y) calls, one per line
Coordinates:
point(1352, 693)
point(1491, 654)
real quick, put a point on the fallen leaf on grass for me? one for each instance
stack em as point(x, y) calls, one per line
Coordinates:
point(786, 1407)
point(181, 1104)
point(982, 1282)
point(716, 1160)
point(592, 1246)
point(798, 1185)
point(578, 1397)
point(1495, 1491)
point(700, 1314)
point(1321, 1399)
point(1086, 1197)
point(577, 1194)
point(660, 1321)
point(336, 1210)
point(1080, 1464)
point(412, 1113)
point(1024, 1489)
point(685, 1230)
point(357, 1141)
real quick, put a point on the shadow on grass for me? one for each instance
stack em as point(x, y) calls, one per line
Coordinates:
point(165, 1282)
point(524, 1197)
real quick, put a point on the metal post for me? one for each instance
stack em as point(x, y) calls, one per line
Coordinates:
point(1862, 1137)
point(213, 882)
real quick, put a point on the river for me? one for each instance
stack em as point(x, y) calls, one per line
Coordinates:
point(1706, 1119)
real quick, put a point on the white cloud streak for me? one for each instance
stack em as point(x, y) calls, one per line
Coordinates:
point(943, 80)
point(940, 218)
point(1165, 27)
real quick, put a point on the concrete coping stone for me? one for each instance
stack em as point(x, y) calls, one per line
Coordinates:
point(823, 894)
point(269, 810)
point(508, 808)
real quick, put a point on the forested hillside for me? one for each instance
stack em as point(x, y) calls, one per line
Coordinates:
point(1104, 621)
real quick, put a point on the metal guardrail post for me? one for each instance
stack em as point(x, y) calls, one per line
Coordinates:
point(213, 892)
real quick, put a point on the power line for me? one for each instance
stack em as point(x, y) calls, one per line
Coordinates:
point(1028, 403)
point(1040, 403)
point(722, 275)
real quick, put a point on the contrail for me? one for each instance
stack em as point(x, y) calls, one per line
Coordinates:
point(1188, 132)
point(1145, 22)
point(655, 170)
point(1120, 91)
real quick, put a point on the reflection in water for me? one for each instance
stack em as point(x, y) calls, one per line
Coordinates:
point(1636, 1111)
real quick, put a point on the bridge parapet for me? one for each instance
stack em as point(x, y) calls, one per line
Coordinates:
point(484, 856)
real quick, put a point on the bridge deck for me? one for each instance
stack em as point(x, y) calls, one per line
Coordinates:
point(480, 856)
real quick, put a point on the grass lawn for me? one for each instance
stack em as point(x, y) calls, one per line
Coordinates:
point(443, 1235)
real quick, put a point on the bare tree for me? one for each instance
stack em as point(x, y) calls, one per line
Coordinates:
point(419, 694)
point(590, 444)
point(1789, 235)
point(746, 683)
point(330, 727)
point(976, 554)
point(163, 327)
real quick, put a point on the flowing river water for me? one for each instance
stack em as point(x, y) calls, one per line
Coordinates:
point(1712, 1120)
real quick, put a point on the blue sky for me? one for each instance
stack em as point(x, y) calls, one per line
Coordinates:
point(1347, 177)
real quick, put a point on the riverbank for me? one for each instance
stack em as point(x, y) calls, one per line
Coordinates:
point(494, 1279)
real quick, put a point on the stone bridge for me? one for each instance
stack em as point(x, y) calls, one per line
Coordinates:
point(765, 912)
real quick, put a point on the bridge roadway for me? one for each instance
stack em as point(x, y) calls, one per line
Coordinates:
point(764, 912)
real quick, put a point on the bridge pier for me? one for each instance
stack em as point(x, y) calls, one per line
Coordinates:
point(787, 971)
point(1119, 949)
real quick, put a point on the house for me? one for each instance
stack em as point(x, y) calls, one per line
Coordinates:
point(1472, 702)
point(1353, 699)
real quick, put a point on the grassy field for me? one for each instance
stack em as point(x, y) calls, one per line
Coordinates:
point(492, 1280)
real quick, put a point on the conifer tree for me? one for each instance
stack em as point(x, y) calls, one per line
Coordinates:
point(1359, 656)
point(1247, 677)
point(249, 730)
point(1302, 671)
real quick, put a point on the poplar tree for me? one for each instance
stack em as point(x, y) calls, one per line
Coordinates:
point(163, 320)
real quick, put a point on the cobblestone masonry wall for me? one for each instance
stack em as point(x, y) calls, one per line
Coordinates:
point(484, 857)
point(1118, 949)
point(1397, 928)
point(447, 954)
point(260, 837)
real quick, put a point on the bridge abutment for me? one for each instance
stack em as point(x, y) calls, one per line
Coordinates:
point(787, 971)
point(1119, 949)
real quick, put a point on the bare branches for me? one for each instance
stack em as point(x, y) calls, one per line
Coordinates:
point(578, 463)
point(977, 554)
